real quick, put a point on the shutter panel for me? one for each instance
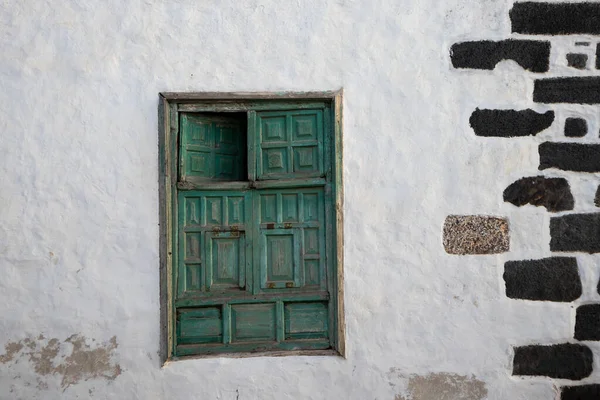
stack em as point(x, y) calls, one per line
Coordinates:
point(212, 147)
point(213, 251)
point(290, 144)
point(291, 225)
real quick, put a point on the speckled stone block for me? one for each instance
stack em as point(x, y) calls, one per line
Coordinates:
point(475, 234)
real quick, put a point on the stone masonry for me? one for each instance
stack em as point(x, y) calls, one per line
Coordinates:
point(554, 278)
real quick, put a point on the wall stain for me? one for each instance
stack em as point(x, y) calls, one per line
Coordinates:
point(444, 386)
point(83, 362)
point(11, 348)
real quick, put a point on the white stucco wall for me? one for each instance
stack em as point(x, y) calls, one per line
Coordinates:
point(79, 84)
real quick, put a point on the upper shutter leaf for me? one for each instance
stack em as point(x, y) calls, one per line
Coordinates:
point(290, 144)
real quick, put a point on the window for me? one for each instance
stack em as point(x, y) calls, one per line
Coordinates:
point(251, 234)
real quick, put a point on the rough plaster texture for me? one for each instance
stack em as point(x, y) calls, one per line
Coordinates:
point(79, 200)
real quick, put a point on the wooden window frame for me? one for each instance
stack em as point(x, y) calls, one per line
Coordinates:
point(170, 103)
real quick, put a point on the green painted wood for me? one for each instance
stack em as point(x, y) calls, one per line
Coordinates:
point(259, 251)
point(202, 325)
point(198, 300)
point(290, 144)
point(212, 248)
point(291, 229)
point(253, 322)
point(280, 326)
point(280, 259)
point(254, 347)
point(226, 324)
point(252, 140)
point(212, 147)
point(226, 260)
point(306, 320)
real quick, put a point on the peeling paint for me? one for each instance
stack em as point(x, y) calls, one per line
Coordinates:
point(11, 348)
point(444, 386)
point(82, 363)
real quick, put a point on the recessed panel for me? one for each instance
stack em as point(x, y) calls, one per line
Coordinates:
point(311, 241)
point(192, 211)
point(226, 260)
point(280, 257)
point(311, 273)
point(289, 207)
point(214, 210)
point(200, 325)
point(275, 160)
point(197, 131)
point(227, 167)
point(311, 207)
point(304, 127)
point(227, 137)
point(253, 322)
point(193, 277)
point(306, 320)
point(198, 163)
point(306, 159)
point(192, 246)
point(268, 208)
point(274, 129)
point(235, 210)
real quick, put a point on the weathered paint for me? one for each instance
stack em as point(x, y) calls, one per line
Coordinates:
point(253, 274)
point(51, 357)
point(444, 386)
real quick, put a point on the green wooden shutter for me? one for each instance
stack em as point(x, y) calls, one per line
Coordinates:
point(252, 269)
point(212, 147)
point(290, 144)
point(213, 250)
point(291, 233)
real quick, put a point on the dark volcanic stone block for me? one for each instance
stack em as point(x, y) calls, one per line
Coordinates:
point(570, 156)
point(584, 392)
point(575, 232)
point(577, 60)
point(562, 361)
point(555, 18)
point(509, 123)
point(552, 193)
point(587, 322)
point(576, 90)
point(532, 55)
point(575, 127)
point(548, 279)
